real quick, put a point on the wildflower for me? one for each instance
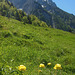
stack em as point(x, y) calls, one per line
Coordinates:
point(22, 68)
point(39, 70)
point(57, 66)
point(49, 64)
point(12, 60)
point(10, 68)
point(42, 65)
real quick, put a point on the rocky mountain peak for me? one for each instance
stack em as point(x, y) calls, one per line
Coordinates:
point(50, 2)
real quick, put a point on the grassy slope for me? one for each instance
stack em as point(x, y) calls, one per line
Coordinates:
point(31, 45)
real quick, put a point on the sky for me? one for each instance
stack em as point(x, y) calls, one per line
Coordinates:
point(66, 5)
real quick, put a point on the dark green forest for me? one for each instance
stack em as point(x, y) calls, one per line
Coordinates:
point(7, 9)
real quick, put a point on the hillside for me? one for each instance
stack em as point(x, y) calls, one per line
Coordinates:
point(47, 11)
point(30, 45)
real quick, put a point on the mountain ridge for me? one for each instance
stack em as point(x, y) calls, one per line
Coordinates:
point(47, 11)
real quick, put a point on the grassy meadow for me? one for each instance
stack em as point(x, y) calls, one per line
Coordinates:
point(31, 45)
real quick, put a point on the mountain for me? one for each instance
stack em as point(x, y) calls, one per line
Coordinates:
point(25, 40)
point(47, 11)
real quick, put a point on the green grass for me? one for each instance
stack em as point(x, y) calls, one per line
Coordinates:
point(31, 45)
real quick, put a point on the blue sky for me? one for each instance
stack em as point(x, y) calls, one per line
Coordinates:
point(66, 5)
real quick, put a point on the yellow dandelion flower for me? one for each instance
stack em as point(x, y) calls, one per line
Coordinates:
point(49, 64)
point(57, 66)
point(39, 70)
point(42, 65)
point(22, 68)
